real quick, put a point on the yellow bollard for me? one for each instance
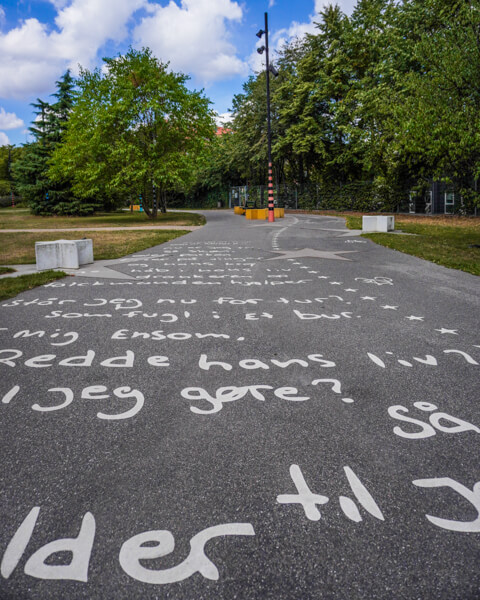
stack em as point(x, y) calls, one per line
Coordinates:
point(262, 213)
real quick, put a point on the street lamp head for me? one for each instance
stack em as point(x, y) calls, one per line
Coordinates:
point(273, 70)
point(260, 33)
point(261, 49)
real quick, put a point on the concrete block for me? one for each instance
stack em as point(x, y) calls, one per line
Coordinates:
point(379, 224)
point(63, 254)
point(259, 214)
point(85, 251)
point(54, 255)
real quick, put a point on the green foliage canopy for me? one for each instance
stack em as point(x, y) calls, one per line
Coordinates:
point(388, 98)
point(135, 129)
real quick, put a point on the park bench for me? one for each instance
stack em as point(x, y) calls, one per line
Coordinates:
point(66, 254)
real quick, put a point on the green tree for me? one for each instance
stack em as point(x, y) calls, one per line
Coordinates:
point(309, 102)
point(135, 129)
point(31, 172)
point(439, 119)
point(8, 156)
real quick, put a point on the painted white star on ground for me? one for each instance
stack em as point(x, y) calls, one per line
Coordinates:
point(388, 307)
point(443, 330)
point(350, 290)
point(311, 253)
point(413, 318)
point(369, 297)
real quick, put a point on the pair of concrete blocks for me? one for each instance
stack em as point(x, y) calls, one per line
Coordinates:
point(377, 224)
point(63, 254)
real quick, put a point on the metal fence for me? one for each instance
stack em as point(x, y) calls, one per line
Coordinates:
point(357, 196)
point(365, 196)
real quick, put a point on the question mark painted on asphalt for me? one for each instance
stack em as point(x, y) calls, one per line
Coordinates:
point(336, 387)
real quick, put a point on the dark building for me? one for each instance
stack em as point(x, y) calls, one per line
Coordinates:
point(437, 198)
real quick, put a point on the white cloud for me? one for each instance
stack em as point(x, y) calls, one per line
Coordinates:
point(296, 30)
point(223, 118)
point(193, 37)
point(9, 120)
point(33, 55)
point(86, 25)
point(2, 16)
point(4, 141)
point(59, 4)
point(346, 6)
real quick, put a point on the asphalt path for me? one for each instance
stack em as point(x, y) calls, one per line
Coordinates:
point(257, 410)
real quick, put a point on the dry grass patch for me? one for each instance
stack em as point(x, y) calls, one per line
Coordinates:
point(439, 221)
point(18, 218)
point(19, 248)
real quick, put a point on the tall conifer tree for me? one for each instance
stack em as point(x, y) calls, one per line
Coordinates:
point(31, 171)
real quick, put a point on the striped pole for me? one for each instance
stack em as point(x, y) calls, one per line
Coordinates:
point(271, 210)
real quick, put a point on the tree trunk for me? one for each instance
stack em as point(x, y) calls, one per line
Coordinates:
point(163, 201)
point(150, 200)
point(147, 211)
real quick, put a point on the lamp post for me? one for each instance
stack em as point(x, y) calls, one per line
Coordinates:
point(269, 69)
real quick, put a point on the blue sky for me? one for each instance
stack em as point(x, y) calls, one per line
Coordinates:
point(213, 41)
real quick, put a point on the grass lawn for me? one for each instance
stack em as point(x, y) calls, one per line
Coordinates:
point(4, 270)
point(20, 218)
point(442, 240)
point(11, 286)
point(19, 248)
